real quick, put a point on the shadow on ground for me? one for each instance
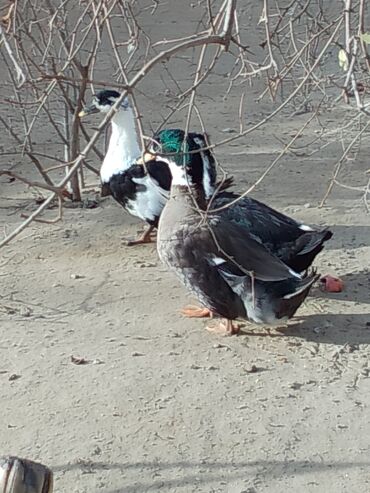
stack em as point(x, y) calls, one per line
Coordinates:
point(213, 471)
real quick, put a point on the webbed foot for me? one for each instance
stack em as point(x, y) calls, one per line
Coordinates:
point(144, 238)
point(225, 327)
point(193, 311)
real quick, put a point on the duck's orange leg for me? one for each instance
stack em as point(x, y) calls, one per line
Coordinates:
point(144, 238)
point(225, 327)
point(193, 311)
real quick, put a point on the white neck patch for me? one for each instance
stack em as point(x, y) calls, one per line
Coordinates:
point(209, 189)
point(123, 147)
point(179, 176)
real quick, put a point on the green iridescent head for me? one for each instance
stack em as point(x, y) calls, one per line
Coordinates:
point(173, 144)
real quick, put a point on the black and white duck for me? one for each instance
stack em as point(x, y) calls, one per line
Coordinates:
point(142, 191)
point(224, 264)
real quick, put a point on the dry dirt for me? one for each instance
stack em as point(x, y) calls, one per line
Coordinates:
point(162, 404)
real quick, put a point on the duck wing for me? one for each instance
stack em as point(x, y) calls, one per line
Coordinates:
point(142, 193)
point(295, 243)
point(159, 171)
point(263, 221)
point(126, 184)
point(237, 252)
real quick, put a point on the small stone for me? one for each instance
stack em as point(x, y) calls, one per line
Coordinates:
point(296, 385)
point(90, 204)
point(76, 276)
point(13, 377)
point(221, 346)
point(76, 360)
point(25, 311)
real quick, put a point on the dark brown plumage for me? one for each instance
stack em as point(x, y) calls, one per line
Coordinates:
point(293, 242)
point(230, 273)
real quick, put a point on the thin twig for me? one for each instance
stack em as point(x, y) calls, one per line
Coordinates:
point(339, 163)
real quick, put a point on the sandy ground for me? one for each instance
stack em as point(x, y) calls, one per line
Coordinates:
point(161, 404)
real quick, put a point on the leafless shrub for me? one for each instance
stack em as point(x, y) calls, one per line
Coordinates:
point(53, 53)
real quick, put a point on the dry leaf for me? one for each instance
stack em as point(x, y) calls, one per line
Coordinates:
point(79, 361)
point(343, 60)
point(365, 37)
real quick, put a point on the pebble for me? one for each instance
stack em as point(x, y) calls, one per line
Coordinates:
point(76, 276)
point(13, 377)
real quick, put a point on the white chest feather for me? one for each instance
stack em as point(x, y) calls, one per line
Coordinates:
point(148, 203)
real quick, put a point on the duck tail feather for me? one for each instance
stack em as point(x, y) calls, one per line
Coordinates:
point(290, 303)
point(225, 183)
point(304, 285)
point(312, 241)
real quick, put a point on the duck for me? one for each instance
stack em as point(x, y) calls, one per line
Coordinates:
point(140, 190)
point(220, 262)
point(294, 242)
